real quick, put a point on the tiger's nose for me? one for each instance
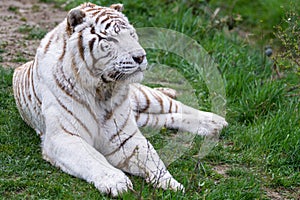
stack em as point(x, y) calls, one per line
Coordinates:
point(138, 59)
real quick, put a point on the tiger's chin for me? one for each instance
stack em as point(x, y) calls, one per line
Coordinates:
point(134, 77)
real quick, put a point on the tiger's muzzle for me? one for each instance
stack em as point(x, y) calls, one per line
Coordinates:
point(128, 68)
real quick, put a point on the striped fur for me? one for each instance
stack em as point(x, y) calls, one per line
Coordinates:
point(81, 95)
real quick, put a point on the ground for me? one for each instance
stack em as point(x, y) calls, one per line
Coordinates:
point(15, 16)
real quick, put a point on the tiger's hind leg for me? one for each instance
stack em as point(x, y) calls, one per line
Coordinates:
point(155, 109)
point(167, 91)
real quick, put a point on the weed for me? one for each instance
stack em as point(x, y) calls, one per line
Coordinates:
point(13, 9)
point(33, 33)
point(288, 33)
point(25, 29)
point(35, 8)
point(2, 50)
point(19, 58)
point(258, 16)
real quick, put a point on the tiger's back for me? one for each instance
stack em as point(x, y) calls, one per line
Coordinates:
point(26, 96)
point(28, 79)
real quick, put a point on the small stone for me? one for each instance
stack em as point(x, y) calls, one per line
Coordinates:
point(268, 51)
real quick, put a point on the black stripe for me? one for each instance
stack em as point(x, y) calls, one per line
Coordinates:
point(91, 9)
point(59, 81)
point(48, 43)
point(171, 103)
point(93, 30)
point(139, 109)
point(160, 101)
point(64, 50)
point(109, 54)
point(74, 68)
point(81, 51)
point(172, 119)
point(21, 97)
point(147, 101)
point(125, 162)
point(24, 88)
point(80, 45)
point(91, 48)
point(101, 15)
point(146, 120)
point(119, 129)
point(100, 37)
point(27, 86)
point(104, 20)
point(95, 13)
point(68, 132)
point(108, 115)
point(107, 25)
point(72, 93)
point(121, 144)
point(126, 140)
point(33, 90)
point(156, 121)
point(78, 120)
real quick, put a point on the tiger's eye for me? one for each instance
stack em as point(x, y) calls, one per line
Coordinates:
point(105, 46)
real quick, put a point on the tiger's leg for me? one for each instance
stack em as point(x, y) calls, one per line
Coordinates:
point(167, 91)
point(202, 123)
point(67, 150)
point(133, 153)
point(155, 109)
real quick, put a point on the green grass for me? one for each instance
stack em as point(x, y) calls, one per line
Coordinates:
point(258, 16)
point(33, 33)
point(2, 50)
point(260, 147)
point(20, 58)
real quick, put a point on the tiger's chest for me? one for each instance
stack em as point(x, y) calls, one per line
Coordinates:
point(114, 124)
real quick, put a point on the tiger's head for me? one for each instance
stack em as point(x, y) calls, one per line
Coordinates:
point(104, 42)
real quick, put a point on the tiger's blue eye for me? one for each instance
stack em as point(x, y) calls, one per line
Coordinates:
point(105, 46)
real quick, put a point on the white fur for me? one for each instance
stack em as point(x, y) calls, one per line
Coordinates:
point(78, 133)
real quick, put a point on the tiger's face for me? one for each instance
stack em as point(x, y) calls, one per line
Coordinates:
point(104, 39)
point(126, 59)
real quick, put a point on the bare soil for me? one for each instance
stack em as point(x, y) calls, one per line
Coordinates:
point(15, 49)
point(221, 169)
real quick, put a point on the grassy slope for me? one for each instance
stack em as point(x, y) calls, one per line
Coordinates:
point(259, 16)
point(260, 148)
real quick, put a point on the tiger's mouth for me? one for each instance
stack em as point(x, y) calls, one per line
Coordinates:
point(126, 70)
point(123, 75)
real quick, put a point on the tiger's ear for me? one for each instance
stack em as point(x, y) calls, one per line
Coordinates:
point(74, 18)
point(118, 7)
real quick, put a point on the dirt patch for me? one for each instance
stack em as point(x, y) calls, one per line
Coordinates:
point(273, 194)
point(17, 14)
point(282, 194)
point(221, 169)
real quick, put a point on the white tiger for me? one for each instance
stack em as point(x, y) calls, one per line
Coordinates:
point(81, 96)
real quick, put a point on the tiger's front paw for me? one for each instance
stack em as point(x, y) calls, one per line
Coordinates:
point(210, 124)
point(113, 184)
point(166, 182)
point(171, 184)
